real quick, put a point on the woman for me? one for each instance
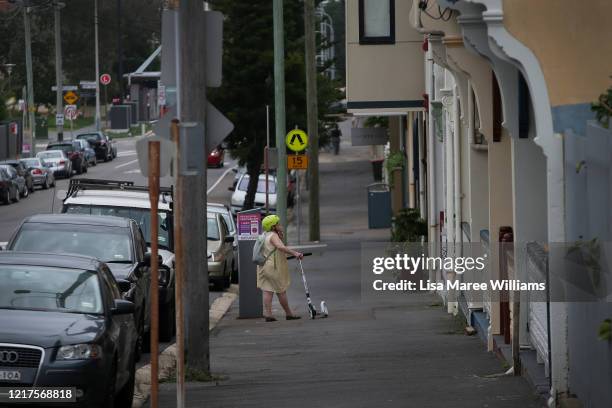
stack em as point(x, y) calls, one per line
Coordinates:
point(273, 276)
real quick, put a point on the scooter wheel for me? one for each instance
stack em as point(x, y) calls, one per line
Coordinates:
point(312, 311)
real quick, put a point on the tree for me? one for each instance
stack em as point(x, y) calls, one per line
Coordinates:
point(248, 78)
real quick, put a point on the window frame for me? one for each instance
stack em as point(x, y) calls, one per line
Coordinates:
point(365, 40)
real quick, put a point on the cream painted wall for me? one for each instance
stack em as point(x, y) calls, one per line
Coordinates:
point(572, 41)
point(384, 72)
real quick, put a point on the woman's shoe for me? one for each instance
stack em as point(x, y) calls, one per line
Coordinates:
point(270, 319)
point(293, 317)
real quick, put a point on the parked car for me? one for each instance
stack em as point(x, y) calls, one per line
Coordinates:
point(216, 157)
point(220, 251)
point(118, 242)
point(72, 150)
point(231, 225)
point(65, 324)
point(240, 191)
point(18, 179)
point(9, 189)
point(57, 162)
point(124, 199)
point(41, 174)
point(22, 171)
point(88, 152)
point(103, 145)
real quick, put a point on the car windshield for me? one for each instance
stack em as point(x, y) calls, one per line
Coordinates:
point(212, 230)
point(64, 147)
point(31, 162)
point(141, 215)
point(109, 244)
point(261, 185)
point(49, 289)
point(89, 136)
point(49, 155)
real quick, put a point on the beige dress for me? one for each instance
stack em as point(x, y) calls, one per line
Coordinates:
point(273, 276)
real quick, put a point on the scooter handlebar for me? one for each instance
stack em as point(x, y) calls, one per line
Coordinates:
point(305, 254)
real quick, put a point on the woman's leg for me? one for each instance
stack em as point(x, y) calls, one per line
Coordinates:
point(267, 300)
point(282, 298)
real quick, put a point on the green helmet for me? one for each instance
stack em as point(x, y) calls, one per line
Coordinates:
point(269, 222)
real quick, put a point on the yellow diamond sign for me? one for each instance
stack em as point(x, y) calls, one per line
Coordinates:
point(297, 140)
point(70, 97)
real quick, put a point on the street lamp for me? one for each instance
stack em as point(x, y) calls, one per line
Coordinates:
point(9, 69)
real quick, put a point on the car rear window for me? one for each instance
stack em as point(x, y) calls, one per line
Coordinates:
point(89, 136)
point(32, 162)
point(49, 155)
point(261, 185)
point(64, 147)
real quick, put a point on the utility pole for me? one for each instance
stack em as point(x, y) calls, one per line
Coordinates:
point(59, 82)
point(28, 51)
point(313, 122)
point(192, 194)
point(119, 52)
point(279, 105)
point(97, 51)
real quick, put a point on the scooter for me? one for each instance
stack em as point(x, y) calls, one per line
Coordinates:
point(312, 311)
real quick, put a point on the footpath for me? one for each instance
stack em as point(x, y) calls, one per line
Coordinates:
point(410, 354)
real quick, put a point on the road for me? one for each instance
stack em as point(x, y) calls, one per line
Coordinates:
point(124, 167)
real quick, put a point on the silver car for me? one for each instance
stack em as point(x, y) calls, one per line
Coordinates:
point(220, 252)
point(41, 175)
point(57, 162)
point(231, 225)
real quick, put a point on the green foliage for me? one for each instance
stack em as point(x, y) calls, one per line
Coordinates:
point(3, 112)
point(605, 330)
point(408, 226)
point(377, 121)
point(394, 161)
point(140, 28)
point(603, 108)
point(248, 78)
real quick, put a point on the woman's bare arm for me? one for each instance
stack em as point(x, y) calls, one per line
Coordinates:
point(278, 244)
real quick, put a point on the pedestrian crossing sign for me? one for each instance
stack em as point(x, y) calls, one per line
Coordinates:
point(297, 140)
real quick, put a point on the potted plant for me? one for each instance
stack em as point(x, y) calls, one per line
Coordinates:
point(395, 163)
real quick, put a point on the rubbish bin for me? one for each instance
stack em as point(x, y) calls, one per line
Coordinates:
point(42, 128)
point(379, 206)
point(377, 169)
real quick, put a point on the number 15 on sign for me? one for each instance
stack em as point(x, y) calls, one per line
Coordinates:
point(297, 162)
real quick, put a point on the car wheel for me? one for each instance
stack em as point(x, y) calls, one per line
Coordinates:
point(125, 396)
point(234, 273)
point(25, 191)
point(167, 322)
point(17, 196)
point(45, 185)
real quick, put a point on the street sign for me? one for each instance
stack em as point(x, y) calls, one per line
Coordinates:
point(249, 225)
point(369, 136)
point(297, 162)
point(59, 119)
point(161, 94)
point(167, 153)
point(70, 97)
point(71, 112)
point(297, 140)
point(105, 79)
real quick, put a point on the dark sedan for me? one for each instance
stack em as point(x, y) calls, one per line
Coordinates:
point(22, 171)
point(74, 153)
point(116, 241)
point(17, 179)
point(64, 324)
point(9, 188)
point(103, 145)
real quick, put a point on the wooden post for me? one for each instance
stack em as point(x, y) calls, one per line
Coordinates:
point(179, 267)
point(154, 199)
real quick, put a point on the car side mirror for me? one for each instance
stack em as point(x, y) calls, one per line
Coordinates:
point(123, 307)
point(231, 188)
point(229, 239)
point(124, 285)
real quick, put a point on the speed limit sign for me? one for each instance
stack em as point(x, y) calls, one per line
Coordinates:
point(105, 79)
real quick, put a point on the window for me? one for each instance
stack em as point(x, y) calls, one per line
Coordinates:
point(376, 21)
